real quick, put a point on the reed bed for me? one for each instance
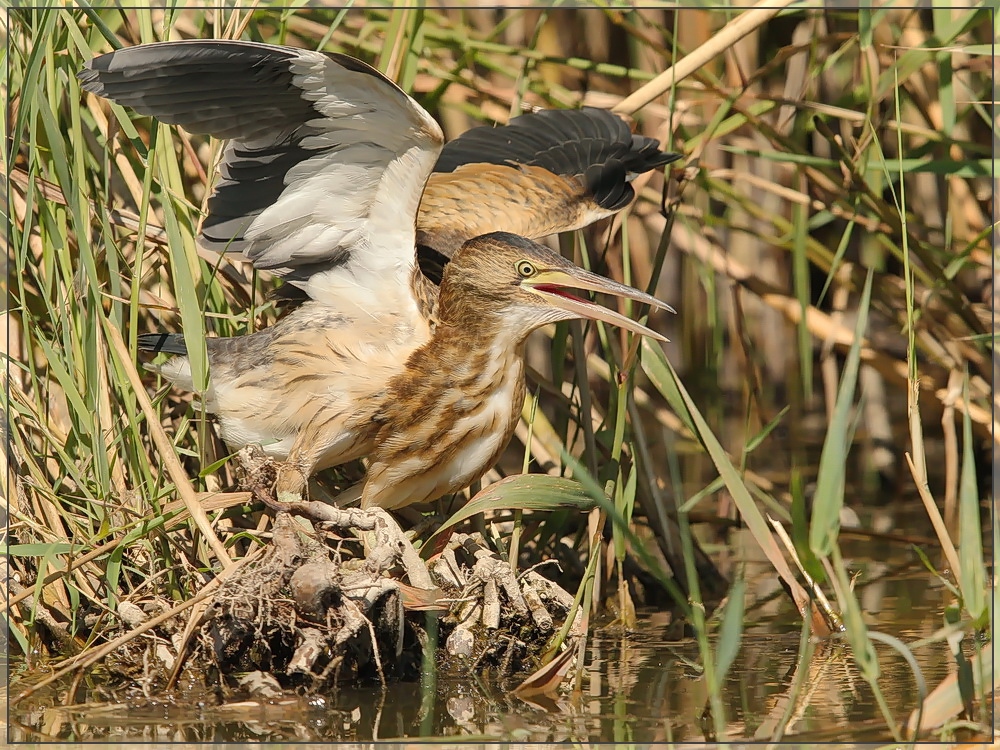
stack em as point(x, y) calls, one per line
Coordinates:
point(826, 242)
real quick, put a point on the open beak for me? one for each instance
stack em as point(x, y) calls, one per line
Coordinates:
point(554, 286)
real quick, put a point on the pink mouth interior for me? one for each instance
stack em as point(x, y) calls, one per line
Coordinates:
point(561, 292)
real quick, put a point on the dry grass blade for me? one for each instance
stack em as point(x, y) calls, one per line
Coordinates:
point(828, 611)
point(935, 516)
point(423, 600)
point(167, 453)
point(722, 40)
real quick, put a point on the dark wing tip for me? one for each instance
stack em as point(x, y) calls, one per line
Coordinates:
point(645, 154)
point(90, 75)
point(608, 184)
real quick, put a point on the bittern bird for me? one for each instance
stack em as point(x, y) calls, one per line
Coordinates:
point(443, 421)
point(327, 182)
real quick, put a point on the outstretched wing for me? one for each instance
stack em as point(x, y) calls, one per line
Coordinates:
point(325, 164)
point(545, 172)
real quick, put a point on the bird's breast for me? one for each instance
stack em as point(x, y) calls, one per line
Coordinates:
point(470, 428)
point(483, 433)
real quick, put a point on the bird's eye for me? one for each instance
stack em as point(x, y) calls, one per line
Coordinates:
point(525, 268)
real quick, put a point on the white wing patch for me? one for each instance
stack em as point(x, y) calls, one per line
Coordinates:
point(324, 168)
point(357, 196)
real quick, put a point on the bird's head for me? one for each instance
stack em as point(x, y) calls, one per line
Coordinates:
point(502, 276)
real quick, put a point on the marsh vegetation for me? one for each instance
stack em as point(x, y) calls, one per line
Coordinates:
point(818, 435)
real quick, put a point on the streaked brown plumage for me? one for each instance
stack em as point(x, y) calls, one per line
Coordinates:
point(336, 181)
point(447, 219)
point(445, 419)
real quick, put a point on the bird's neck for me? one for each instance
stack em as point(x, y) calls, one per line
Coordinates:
point(478, 349)
point(463, 312)
point(477, 360)
point(472, 341)
point(475, 354)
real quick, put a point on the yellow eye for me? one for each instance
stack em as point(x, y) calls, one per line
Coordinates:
point(525, 268)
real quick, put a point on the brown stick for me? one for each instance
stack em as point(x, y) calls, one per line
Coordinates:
point(726, 37)
point(91, 657)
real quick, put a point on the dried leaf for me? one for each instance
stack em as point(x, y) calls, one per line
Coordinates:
point(547, 679)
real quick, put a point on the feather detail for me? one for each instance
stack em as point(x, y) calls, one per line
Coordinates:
point(325, 164)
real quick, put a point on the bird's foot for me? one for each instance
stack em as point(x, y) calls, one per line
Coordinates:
point(252, 468)
point(289, 498)
point(390, 544)
point(385, 543)
point(289, 484)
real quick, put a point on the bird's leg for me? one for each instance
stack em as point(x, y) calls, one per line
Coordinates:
point(387, 542)
point(293, 474)
point(289, 487)
point(290, 483)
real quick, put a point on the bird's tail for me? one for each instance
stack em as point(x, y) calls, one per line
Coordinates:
point(168, 343)
point(177, 369)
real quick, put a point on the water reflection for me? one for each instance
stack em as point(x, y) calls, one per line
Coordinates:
point(640, 688)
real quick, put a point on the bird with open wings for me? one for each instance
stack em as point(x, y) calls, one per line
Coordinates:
point(337, 181)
